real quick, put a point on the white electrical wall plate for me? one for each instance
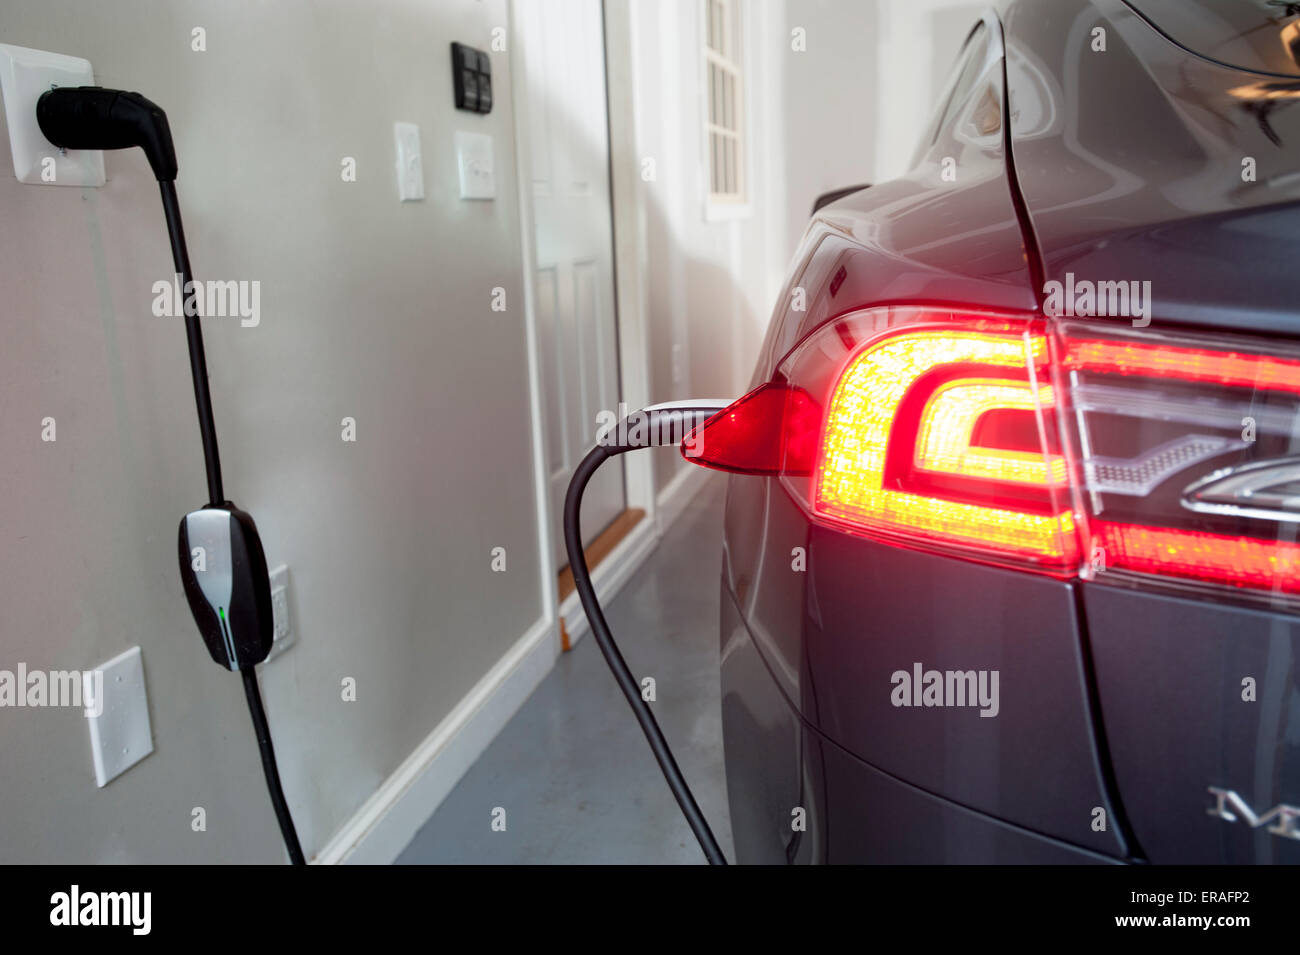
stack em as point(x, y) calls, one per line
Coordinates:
point(24, 75)
point(410, 168)
point(120, 735)
point(474, 158)
point(283, 627)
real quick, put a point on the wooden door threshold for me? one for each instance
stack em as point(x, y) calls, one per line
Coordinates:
point(601, 547)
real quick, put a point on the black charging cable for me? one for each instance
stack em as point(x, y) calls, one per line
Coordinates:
point(194, 339)
point(654, 426)
point(92, 117)
point(269, 768)
point(216, 497)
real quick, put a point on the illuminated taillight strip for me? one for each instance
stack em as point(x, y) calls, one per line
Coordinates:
point(1155, 360)
point(1221, 558)
point(849, 478)
point(947, 430)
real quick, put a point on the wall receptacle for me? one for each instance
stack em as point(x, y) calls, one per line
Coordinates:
point(25, 74)
point(281, 622)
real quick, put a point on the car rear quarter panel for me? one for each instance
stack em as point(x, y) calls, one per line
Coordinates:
point(830, 635)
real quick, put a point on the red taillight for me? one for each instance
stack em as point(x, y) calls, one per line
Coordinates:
point(771, 430)
point(896, 451)
point(1065, 447)
point(1155, 360)
point(1204, 409)
point(1219, 558)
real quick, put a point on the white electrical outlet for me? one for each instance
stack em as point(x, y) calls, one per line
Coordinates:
point(120, 735)
point(282, 627)
point(25, 74)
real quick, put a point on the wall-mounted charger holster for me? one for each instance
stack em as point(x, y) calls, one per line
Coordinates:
point(226, 582)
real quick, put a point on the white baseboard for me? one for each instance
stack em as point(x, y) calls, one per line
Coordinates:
point(677, 493)
point(387, 821)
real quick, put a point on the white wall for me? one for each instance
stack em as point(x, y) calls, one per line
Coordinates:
point(848, 108)
point(710, 283)
point(370, 308)
point(828, 103)
point(918, 42)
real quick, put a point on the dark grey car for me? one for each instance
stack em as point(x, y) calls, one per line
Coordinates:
point(1021, 585)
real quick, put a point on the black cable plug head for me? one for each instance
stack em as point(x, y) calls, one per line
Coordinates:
point(92, 117)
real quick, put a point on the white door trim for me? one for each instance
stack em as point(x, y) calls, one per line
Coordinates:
point(541, 467)
point(626, 202)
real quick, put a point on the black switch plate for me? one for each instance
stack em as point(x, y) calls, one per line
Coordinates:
point(471, 74)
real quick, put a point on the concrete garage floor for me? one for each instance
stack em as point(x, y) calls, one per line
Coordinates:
point(572, 768)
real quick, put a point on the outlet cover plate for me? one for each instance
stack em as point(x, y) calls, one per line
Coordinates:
point(24, 75)
point(282, 632)
point(120, 736)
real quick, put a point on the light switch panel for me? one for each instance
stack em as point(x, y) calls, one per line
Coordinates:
point(25, 74)
point(474, 158)
point(120, 735)
point(410, 168)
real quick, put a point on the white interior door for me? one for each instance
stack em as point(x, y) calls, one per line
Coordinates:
point(562, 44)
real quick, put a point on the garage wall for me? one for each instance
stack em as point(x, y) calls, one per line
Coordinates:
point(918, 42)
point(709, 284)
point(829, 104)
point(812, 105)
point(370, 309)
